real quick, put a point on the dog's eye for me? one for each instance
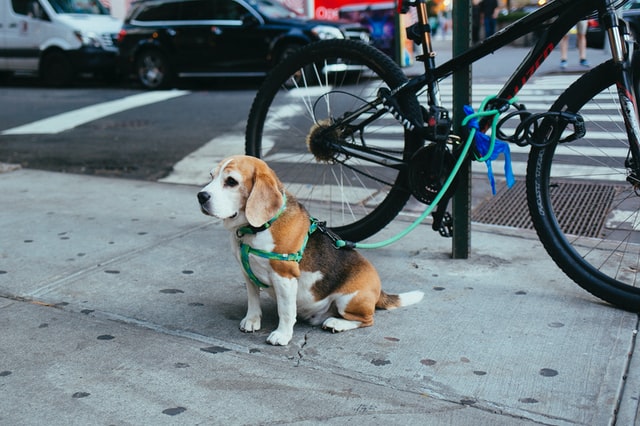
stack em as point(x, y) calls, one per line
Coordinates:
point(230, 182)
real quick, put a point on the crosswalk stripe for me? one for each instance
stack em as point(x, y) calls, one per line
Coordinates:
point(194, 168)
point(69, 120)
point(537, 96)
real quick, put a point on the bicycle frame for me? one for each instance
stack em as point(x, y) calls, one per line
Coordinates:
point(360, 166)
point(552, 21)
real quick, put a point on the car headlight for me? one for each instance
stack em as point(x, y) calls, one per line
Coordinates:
point(88, 39)
point(325, 32)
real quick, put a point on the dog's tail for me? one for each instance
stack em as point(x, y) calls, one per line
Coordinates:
point(391, 301)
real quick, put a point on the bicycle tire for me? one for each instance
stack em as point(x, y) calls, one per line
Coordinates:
point(587, 215)
point(356, 198)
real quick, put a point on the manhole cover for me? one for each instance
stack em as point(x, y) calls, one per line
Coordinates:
point(580, 207)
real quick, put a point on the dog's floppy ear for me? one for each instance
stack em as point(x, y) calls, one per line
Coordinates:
point(265, 198)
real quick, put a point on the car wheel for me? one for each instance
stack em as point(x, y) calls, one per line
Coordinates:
point(286, 51)
point(56, 69)
point(153, 70)
point(5, 76)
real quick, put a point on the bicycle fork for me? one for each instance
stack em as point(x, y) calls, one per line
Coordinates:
point(626, 88)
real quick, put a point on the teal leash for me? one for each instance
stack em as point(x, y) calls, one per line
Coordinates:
point(246, 250)
point(465, 150)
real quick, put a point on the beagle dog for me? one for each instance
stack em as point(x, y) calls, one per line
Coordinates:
point(284, 252)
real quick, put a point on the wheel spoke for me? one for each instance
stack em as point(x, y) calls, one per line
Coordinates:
point(586, 212)
point(294, 126)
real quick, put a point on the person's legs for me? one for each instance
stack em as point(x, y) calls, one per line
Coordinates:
point(564, 47)
point(489, 26)
point(582, 49)
point(582, 42)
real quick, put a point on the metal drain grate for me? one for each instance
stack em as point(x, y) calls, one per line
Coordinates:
point(580, 207)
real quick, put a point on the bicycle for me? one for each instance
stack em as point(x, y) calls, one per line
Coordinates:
point(355, 122)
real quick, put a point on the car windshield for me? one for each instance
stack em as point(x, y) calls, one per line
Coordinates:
point(85, 7)
point(632, 5)
point(273, 9)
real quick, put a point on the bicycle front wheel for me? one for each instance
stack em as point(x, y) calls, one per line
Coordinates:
point(584, 210)
point(316, 87)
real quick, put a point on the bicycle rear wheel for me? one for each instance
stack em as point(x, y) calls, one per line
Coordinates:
point(585, 212)
point(311, 89)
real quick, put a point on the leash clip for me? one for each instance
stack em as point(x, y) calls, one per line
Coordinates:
point(338, 243)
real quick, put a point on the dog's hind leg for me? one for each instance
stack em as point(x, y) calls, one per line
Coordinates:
point(356, 310)
point(338, 325)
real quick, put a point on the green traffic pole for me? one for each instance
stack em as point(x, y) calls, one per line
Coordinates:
point(461, 20)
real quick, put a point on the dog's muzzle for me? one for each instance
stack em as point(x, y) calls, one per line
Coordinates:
point(203, 199)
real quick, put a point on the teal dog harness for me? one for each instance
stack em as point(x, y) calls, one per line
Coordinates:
point(246, 250)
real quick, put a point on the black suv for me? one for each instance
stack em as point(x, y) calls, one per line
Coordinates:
point(164, 39)
point(631, 14)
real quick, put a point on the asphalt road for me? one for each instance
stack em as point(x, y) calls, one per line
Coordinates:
point(141, 142)
point(146, 141)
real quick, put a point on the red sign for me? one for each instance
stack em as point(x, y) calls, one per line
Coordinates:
point(334, 9)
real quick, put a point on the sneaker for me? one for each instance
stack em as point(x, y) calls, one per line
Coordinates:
point(563, 63)
point(584, 62)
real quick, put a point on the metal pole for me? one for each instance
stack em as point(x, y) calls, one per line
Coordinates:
point(461, 20)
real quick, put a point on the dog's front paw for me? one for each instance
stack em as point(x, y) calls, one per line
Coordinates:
point(278, 338)
point(249, 325)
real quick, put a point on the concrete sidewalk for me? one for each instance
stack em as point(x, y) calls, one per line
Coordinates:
point(121, 302)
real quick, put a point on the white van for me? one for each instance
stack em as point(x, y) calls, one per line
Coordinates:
point(57, 38)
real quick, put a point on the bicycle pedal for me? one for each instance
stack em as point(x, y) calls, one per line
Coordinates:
point(446, 226)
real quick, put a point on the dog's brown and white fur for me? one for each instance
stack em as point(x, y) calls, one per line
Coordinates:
point(339, 289)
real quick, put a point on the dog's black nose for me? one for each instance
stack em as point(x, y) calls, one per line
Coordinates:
point(203, 197)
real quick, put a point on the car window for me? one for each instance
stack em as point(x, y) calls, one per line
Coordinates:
point(192, 10)
point(274, 9)
point(159, 12)
point(88, 7)
point(21, 7)
point(195, 10)
point(229, 10)
point(632, 5)
point(29, 8)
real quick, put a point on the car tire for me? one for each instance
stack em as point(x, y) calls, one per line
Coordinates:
point(286, 50)
point(153, 69)
point(5, 76)
point(56, 69)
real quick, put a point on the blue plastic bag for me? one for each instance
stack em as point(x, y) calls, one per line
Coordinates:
point(483, 143)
